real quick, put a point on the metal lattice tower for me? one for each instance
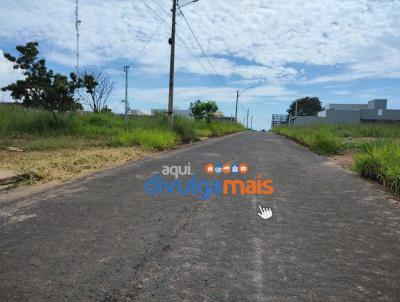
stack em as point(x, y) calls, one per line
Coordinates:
point(77, 24)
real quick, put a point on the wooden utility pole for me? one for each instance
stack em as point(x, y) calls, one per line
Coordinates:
point(172, 67)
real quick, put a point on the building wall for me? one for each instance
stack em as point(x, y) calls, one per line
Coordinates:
point(377, 104)
point(347, 106)
point(393, 115)
point(352, 113)
point(380, 115)
point(342, 116)
point(307, 120)
point(368, 114)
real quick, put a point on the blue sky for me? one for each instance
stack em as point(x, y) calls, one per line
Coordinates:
point(341, 51)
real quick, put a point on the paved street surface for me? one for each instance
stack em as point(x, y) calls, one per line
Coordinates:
point(332, 236)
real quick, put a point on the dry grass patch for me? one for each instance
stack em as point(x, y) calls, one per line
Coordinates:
point(51, 166)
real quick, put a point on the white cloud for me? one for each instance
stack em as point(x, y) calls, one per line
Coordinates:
point(362, 34)
point(8, 75)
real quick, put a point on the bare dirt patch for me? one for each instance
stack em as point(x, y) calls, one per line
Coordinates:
point(344, 160)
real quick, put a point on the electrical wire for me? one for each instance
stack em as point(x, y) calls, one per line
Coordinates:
point(202, 50)
point(148, 41)
point(177, 34)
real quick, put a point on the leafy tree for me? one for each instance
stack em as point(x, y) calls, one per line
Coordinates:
point(203, 110)
point(99, 86)
point(42, 88)
point(305, 107)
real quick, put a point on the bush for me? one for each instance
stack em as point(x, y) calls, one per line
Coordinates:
point(184, 128)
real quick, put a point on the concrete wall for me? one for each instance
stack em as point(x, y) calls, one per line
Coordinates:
point(393, 115)
point(347, 106)
point(352, 113)
point(368, 114)
point(380, 115)
point(307, 120)
point(342, 116)
point(377, 104)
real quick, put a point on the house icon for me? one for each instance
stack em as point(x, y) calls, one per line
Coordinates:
point(235, 168)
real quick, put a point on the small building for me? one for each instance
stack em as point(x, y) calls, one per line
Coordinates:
point(375, 111)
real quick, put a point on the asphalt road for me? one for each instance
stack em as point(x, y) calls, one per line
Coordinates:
point(332, 236)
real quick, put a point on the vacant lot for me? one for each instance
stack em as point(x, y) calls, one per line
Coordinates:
point(54, 148)
point(375, 147)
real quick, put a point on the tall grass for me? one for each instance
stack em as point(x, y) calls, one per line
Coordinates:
point(147, 138)
point(381, 162)
point(376, 145)
point(318, 139)
point(40, 130)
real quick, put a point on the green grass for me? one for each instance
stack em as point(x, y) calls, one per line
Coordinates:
point(318, 139)
point(376, 147)
point(158, 139)
point(38, 130)
point(381, 162)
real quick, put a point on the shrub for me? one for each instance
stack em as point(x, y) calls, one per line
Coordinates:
point(184, 128)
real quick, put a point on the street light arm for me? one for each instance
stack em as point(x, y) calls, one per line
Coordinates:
point(193, 1)
point(246, 90)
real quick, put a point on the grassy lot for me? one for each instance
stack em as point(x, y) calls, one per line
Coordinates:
point(376, 147)
point(76, 142)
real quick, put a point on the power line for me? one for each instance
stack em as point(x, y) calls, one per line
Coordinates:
point(154, 12)
point(149, 40)
point(188, 48)
point(179, 37)
point(202, 50)
point(162, 8)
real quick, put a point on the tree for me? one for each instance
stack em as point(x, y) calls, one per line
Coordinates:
point(98, 85)
point(203, 110)
point(42, 88)
point(305, 107)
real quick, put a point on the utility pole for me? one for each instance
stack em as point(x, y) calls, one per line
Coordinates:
point(247, 123)
point(126, 68)
point(237, 101)
point(172, 67)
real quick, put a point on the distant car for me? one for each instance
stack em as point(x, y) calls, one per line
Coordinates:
point(263, 130)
